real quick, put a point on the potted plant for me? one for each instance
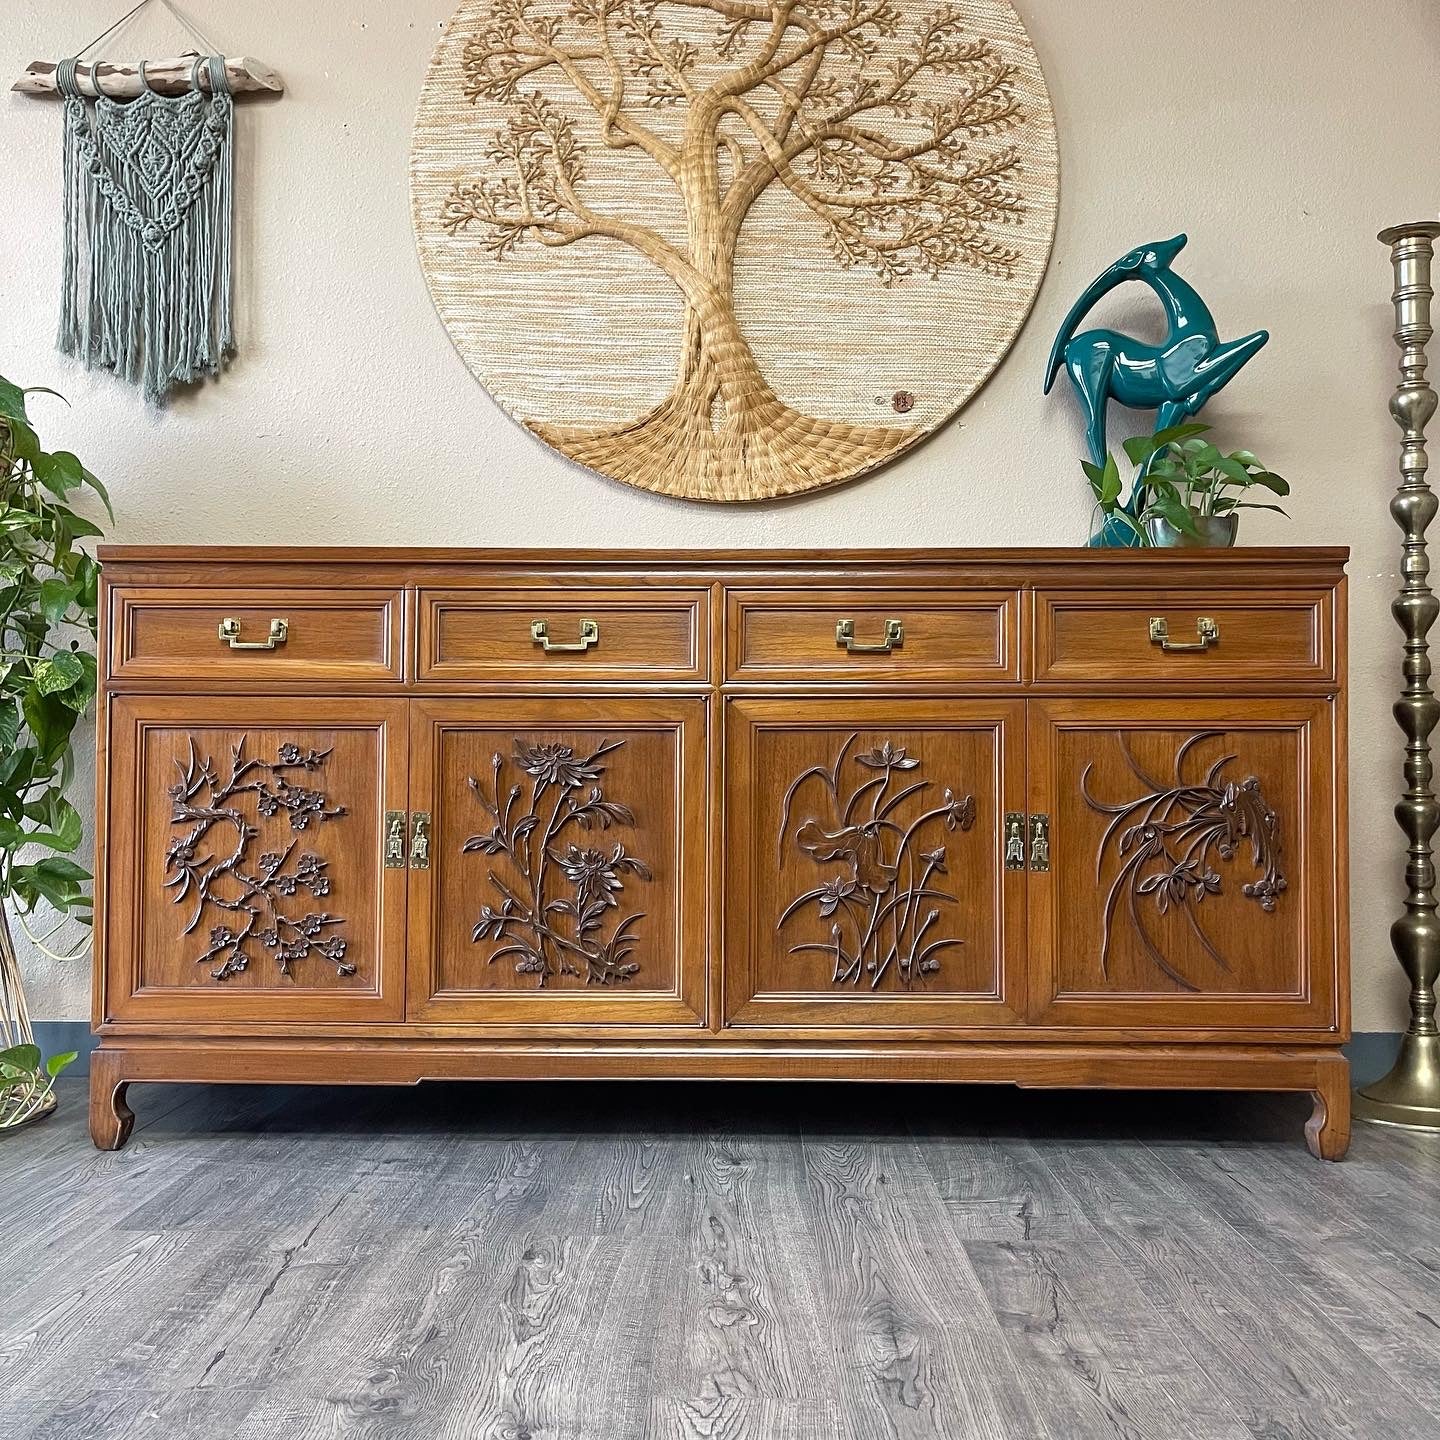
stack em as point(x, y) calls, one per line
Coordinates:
point(1185, 492)
point(48, 594)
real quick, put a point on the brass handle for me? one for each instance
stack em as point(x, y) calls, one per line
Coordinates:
point(1039, 842)
point(894, 638)
point(230, 632)
point(589, 635)
point(420, 840)
point(1206, 628)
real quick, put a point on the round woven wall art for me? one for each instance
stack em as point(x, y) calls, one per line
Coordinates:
point(730, 249)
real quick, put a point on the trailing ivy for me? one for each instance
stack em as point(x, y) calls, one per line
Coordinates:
point(48, 613)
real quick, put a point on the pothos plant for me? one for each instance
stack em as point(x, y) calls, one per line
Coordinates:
point(48, 611)
point(1182, 479)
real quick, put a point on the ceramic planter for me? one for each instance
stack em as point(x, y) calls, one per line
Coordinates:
point(1214, 532)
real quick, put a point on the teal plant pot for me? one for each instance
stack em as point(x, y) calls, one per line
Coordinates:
point(1215, 532)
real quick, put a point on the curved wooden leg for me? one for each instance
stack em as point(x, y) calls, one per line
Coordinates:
point(111, 1119)
point(1327, 1131)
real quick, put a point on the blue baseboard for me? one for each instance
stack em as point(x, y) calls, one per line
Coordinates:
point(1371, 1052)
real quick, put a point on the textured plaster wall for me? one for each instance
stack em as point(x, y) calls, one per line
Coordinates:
point(1281, 136)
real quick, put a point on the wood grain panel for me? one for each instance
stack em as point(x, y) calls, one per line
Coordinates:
point(567, 880)
point(465, 635)
point(789, 636)
point(863, 878)
point(1104, 635)
point(334, 635)
point(1193, 871)
point(244, 860)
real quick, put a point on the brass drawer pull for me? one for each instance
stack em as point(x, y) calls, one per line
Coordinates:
point(589, 635)
point(230, 632)
point(1207, 629)
point(894, 638)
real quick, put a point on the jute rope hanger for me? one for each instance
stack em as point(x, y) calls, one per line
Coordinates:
point(124, 80)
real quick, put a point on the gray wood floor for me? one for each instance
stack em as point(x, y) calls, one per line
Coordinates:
point(602, 1262)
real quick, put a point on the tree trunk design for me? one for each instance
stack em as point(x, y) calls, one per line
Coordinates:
point(879, 120)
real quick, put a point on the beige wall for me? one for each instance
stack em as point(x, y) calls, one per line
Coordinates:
point(1272, 132)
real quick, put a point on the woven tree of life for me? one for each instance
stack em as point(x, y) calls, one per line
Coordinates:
point(724, 147)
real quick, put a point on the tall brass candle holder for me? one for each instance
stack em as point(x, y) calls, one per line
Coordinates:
point(1410, 1094)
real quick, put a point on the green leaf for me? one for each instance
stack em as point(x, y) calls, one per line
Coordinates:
point(9, 725)
point(21, 1057)
point(59, 473)
point(1139, 448)
point(62, 829)
point(1233, 471)
point(1256, 505)
point(50, 722)
point(1180, 516)
point(12, 400)
point(57, 880)
point(80, 527)
point(1275, 483)
point(56, 1063)
point(24, 441)
point(57, 595)
point(1173, 433)
point(58, 672)
point(103, 493)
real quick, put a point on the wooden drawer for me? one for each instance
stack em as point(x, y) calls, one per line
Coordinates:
point(660, 634)
point(792, 635)
point(1100, 635)
point(331, 635)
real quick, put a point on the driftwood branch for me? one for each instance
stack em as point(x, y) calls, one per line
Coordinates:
point(120, 79)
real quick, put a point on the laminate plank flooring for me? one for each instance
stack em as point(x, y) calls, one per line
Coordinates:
point(679, 1262)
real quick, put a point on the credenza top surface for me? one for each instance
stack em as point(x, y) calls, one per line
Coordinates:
point(1071, 564)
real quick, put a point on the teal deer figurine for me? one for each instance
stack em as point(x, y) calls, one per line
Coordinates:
point(1174, 378)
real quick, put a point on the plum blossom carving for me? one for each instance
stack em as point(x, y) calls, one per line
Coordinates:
point(553, 922)
point(881, 903)
point(207, 804)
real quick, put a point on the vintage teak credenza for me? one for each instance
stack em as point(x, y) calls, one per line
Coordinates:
point(1056, 818)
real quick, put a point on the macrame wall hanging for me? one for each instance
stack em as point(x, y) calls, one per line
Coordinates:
point(147, 270)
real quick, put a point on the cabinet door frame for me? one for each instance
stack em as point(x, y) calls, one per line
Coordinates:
point(582, 1010)
point(127, 717)
point(1316, 1006)
point(919, 1017)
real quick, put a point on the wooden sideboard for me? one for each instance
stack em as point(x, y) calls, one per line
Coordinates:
point(1056, 818)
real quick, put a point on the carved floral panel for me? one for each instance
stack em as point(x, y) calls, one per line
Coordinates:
point(1179, 862)
point(259, 858)
point(556, 860)
point(877, 862)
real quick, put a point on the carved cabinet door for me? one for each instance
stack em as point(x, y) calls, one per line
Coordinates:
point(564, 876)
point(1191, 876)
point(244, 876)
point(865, 880)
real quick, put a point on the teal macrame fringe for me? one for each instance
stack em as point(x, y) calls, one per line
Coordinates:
point(147, 275)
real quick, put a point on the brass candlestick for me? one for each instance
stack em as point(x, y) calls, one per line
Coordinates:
point(1410, 1094)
